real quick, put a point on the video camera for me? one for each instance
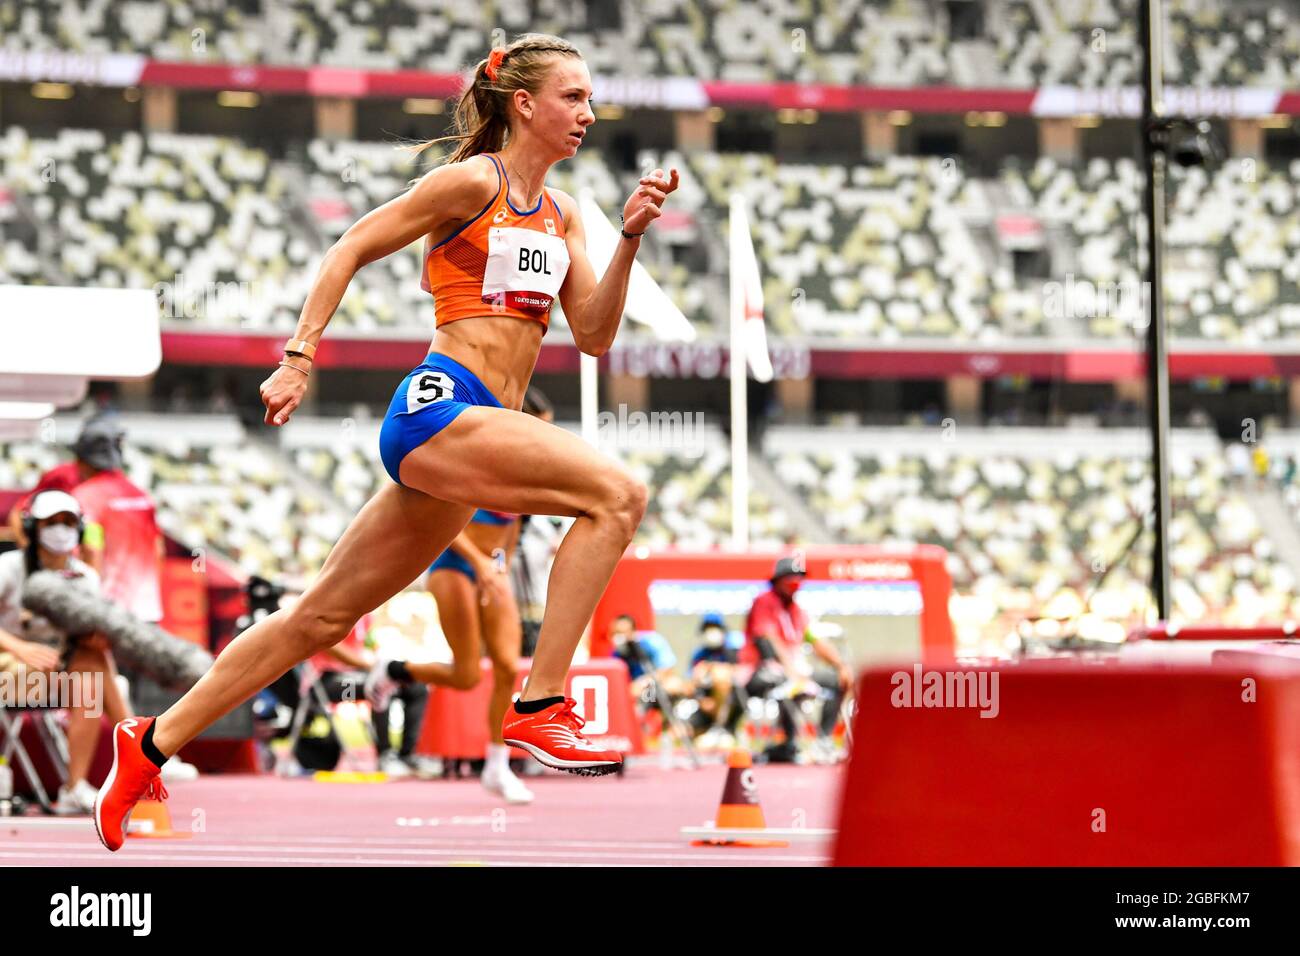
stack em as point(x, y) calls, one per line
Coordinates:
point(263, 600)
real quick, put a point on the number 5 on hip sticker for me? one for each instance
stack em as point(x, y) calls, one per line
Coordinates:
point(427, 388)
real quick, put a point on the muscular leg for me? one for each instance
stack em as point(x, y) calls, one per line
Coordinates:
point(830, 680)
point(113, 704)
point(84, 722)
point(394, 538)
point(458, 612)
point(722, 691)
point(507, 461)
point(414, 699)
point(502, 632)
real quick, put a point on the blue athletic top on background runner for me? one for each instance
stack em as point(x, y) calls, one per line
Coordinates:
point(483, 516)
point(450, 560)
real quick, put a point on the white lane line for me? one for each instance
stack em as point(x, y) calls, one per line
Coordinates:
point(496, 839)
point(200, 851)
point(423, 835)
point(89, 858)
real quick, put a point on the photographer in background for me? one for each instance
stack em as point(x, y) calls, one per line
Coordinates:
point(713, 674)
point(342, 671)
point(649, 661)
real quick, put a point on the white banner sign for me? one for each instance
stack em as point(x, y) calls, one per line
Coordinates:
point(113, 69)
point(1179, 101)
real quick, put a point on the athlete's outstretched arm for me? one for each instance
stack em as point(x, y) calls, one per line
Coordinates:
point(593, 308)
point(444, 195)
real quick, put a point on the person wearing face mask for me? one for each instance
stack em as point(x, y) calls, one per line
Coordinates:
point(121, 536)
point(775, 634)
point(713, 666)
point(649, 659)
point(30, 643)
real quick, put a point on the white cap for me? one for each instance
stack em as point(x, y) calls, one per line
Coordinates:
point(50, 503)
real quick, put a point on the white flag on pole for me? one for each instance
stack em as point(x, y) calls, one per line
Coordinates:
point(646, 302)
point(745, 263)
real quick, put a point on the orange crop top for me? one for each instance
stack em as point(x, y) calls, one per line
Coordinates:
point(504, 261)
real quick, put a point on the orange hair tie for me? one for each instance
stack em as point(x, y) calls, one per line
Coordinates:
point(494, 63)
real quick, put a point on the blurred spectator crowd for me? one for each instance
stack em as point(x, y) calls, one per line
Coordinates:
point(1028, 529)
point(1017, 43)
point(904, 248)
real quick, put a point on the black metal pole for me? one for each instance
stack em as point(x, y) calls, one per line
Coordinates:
point(1155, 142)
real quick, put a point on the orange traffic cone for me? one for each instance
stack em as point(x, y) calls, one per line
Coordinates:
point(152, 820)
point(739, 808)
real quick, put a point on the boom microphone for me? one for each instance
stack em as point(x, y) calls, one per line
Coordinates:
point(146, 648)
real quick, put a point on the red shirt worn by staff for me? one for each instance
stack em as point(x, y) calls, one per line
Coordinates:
point(772, 617)
point(62, 477)
point(120, 520)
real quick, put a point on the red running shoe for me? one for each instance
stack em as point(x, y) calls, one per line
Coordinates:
point(554, 737)
point(133, 777)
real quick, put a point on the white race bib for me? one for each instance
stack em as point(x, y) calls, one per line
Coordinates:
point(427, 388)
point(525, 269)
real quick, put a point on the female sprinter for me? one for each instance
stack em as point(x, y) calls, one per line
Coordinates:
point(476, 607)
point(499, 248)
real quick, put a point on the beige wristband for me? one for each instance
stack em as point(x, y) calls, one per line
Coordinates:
point(297, 362)
point(300, 347)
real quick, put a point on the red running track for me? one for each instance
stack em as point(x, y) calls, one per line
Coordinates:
point(609, 821)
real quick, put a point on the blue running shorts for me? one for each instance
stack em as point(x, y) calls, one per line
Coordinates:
point(451, 560)
point(427, 401)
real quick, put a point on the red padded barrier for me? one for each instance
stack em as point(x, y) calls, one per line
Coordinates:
point(1186, 771)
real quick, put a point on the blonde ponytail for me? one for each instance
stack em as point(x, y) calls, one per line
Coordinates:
point(481, 121)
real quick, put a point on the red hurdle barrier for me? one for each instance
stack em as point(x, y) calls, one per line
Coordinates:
point(1083, 764)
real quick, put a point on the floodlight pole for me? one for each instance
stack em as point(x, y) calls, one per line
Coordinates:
point(1155, 144)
